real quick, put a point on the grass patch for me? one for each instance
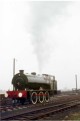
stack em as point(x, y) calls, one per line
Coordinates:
point(74, 116)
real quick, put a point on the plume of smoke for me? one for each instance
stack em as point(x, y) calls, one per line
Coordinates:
point(44, 14)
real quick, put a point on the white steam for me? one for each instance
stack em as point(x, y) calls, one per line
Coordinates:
point(44, 16)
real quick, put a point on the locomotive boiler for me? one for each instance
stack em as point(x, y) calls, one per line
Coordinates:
point(32, 87)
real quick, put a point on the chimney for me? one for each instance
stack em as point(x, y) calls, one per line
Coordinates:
point(21, 71)
point(33, 73)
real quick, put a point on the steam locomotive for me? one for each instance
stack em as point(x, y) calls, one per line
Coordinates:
point(32, 87)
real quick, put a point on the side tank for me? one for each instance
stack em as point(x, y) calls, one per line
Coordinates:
point(23, 81)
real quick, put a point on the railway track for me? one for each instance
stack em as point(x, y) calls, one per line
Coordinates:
point(43, 111)
point(28, 112)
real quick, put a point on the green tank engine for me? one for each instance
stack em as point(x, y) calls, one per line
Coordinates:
point(32, 88)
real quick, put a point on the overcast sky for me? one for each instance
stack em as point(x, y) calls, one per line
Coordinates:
point(44, 37)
